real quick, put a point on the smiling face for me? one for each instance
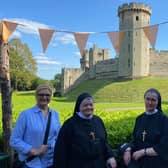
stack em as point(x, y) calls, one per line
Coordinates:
point(151, 101)
point(87, 106)
point(43, 97)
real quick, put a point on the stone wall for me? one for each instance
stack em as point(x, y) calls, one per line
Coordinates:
point(159, 63)
point(69, 77)
point(107, 69)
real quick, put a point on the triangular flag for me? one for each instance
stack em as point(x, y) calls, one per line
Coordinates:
point(81, 39)
point(151, 34)
point(116, 38)
point(45, 36)
point(7, 29)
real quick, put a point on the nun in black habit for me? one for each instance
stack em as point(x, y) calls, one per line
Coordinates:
point(82, 140)
point(149, 148)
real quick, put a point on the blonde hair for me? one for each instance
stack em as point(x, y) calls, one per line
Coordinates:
point(41, 87)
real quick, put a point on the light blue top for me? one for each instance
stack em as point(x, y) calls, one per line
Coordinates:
point(29, 132)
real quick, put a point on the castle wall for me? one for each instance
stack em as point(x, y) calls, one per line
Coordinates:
point(159, 63)
point(69, 77)
point(106, 69)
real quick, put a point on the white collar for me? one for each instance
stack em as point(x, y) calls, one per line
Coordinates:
point(151, 112)
point(83, 116)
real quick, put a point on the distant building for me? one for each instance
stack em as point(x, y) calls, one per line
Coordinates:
point(135, 58)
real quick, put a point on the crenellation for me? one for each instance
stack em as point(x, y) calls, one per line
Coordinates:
point(134, 7)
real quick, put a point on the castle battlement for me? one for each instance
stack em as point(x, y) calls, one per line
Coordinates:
point(108, 61)
point(134, 7)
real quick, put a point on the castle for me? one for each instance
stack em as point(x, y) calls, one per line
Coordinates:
point(136, 59)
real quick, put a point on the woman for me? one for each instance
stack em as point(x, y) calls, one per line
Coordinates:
point(28, 134)
point(150, 145)
point(82, 140)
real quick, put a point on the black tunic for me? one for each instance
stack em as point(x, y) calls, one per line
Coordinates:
point(156, 132)
point(82, 143)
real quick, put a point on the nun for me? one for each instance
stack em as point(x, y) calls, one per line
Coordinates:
point(149, 148)
point(82, 140)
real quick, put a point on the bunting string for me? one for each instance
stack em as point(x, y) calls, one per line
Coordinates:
point(8, 27)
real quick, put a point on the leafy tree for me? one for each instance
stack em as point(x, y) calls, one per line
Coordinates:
point(23, 67)
point(37, 81)
point(57, 82)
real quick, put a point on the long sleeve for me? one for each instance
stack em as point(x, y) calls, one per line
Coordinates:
point(108, 150)
point(16, 139)
point(61, 148)
point(162, 148)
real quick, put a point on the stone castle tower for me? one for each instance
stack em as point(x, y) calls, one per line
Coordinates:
point(134, 50)
point(135, 58)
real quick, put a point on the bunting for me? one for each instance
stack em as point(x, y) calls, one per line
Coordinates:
point(81, 40)
point(45, 36)
point(151, 34)
point(81, 37)
point(116, 39)
point(7, 29)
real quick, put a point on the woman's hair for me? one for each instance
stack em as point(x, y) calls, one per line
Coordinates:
point(79, 100)
point(152, 90)
point(41, 87)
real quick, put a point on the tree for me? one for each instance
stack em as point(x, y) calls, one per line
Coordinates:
point(23, 66)
point(57, 84)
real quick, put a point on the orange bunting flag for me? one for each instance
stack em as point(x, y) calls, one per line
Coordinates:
point(116, 38)
point(45, 36)
point(81, 40)
point(7, 29)
point(151, 34)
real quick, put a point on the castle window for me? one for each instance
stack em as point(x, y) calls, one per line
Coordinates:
point(122, 17)
point(137, 18)
point(129, 63)
point(129, 48)
point(128, 33)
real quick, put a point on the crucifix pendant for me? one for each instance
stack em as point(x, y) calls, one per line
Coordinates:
point(144, 135)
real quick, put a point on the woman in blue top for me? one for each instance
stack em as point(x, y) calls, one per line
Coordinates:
point(28, 134)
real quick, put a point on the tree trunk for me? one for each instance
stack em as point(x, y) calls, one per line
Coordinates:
point(6, 96)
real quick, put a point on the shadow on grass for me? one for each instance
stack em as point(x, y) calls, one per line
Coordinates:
point(90, 86)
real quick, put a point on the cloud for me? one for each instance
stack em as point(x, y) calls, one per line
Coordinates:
point(16, 34)
point(28, 26)
point(42, 59)
point(78, 54)
point(64, 38)
point(31, 27)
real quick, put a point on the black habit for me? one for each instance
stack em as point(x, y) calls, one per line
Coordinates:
point(82, 143)
point(151, 131)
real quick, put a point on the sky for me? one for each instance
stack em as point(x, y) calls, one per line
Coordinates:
point(74, 16)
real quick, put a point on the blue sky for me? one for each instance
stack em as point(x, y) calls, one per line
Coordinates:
point(76, 16)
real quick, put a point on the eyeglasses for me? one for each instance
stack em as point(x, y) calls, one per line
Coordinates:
point(42, 95)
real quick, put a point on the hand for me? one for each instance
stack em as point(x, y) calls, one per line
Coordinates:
point(127, 157)
point(112, 162)
point(138, 154)
point(38, 151)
